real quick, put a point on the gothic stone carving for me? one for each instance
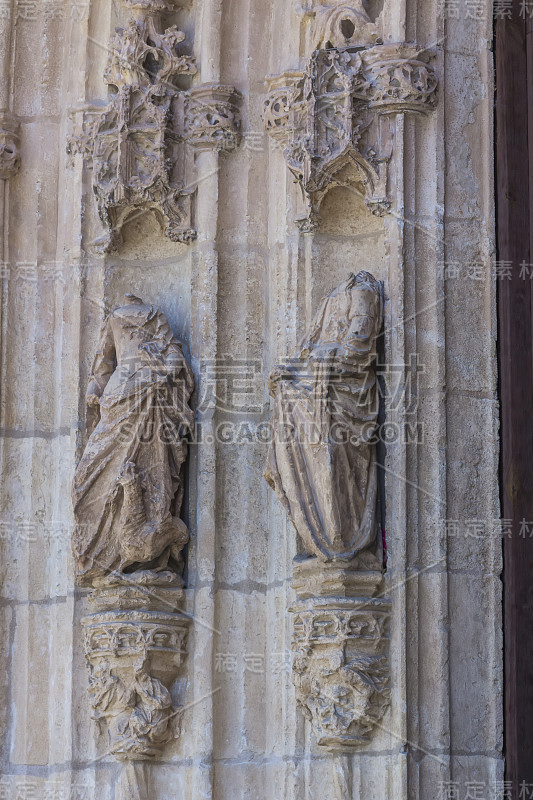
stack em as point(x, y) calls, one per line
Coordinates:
point(128, 486)
point(129, 537)
point(212, 117)
point(340, 655)
point(139, 152)
point(327, 118)
point(152, 5)
point(322, 465)
point(339, 24)
point(133, 657)
point(9, 147)
point(136, 145)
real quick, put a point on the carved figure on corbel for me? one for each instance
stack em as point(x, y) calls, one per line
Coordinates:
point(129, 537)
point(9, 146)
point(322, 464)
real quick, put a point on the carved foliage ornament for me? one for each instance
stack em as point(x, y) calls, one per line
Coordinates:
point(212, 117)
point(340, 24)
point(326, 117)
point(140, 155)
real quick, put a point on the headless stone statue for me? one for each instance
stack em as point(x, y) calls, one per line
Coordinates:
point(128, 487)
point(322, 463)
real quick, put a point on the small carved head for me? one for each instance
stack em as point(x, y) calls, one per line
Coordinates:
point(9, 154)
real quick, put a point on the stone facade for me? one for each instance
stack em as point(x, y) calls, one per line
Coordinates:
point(232, 164)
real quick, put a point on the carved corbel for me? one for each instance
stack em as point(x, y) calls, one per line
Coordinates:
point(327, 118)
point(141, 146)
point(9, 146)
point(340, 647)
point(135, 643)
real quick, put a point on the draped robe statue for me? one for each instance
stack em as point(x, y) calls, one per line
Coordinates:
point(128, 487)
point(322, 462)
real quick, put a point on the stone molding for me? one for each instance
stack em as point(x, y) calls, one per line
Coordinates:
point(140, 147)
point(9, 146)
point(326, 116)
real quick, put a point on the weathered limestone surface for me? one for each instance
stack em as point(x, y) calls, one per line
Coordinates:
point(244, 292)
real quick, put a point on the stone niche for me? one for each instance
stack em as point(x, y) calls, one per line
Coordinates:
point(348, 238)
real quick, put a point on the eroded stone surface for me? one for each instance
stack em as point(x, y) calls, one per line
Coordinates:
point(128, 487)
point(322, 463)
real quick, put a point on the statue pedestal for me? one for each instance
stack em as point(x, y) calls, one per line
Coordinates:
point(135, 645)
point(340, 650)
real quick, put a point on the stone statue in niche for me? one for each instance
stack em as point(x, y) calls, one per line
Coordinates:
point(323, 466)
point(128, 487)
point(322, 463)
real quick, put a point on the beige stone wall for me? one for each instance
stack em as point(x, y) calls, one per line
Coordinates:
point(247, 289)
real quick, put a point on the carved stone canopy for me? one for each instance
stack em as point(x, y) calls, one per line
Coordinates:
point(327, 118)
point(141, 148)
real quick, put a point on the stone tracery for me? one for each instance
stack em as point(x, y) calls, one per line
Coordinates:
point(328, 116)
point(141, 147)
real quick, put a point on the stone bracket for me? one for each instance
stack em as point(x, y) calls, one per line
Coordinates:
point(340, 652)
point(134, 653)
